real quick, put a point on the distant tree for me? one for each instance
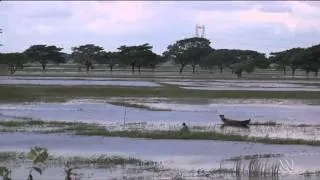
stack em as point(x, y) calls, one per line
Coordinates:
point(219, 57)
point(14, 61)
point(154, 60)
point(45, 54)
point(278, 59)
point(291, 57)
point(110, 59)
point(188, 51)
point(246, 60)
point(66, 58)
point(311, 60)
point(137, 56)
point(87, 55)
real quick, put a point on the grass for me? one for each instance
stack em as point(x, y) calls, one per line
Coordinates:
point(105, 160)
point(141, 106)
point(90, 129)
point(63, 126)
point(21, 93)
point(247, 157)
point(100, 160)
point(208, 135)
point(268, 123)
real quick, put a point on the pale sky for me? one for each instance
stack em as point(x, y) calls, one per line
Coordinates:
point(257, 25)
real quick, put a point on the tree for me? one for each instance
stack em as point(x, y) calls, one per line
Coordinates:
point(154, 60)
point(14, 61)
point(219, 57)
point(291, 57)
point(109, 58)
point(87, 55)
point(188, 51)
point(246, 60)
point(45, 54)
point(136, 56)
point(311, 60)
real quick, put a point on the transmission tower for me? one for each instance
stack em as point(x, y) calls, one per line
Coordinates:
point(202, 28)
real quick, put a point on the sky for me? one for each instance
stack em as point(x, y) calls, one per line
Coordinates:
point(264, 26)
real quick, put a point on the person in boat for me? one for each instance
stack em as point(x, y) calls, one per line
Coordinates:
point(184, 128)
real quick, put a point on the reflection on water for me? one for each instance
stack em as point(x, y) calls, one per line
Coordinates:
point(248, 85)
point(175, 154)
point(13, 80)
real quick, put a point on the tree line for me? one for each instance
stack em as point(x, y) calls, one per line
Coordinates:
point(195, 52)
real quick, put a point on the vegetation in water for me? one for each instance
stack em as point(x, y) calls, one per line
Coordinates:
point(19, 93)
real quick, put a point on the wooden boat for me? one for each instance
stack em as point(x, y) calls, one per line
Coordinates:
point(234, 122)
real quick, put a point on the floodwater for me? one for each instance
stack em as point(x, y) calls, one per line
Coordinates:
point(112, 82)
point(252, 85)
point(199, 116)
point(194, 114)
point(176, 154)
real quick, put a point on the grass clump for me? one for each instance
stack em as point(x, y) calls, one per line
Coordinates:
point(196, 135)
point(20, 93)
point(255, 156)
point(106, 161)
point(268, 123)
point(141, 106)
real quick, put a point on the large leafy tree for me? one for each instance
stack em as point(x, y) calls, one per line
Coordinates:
point(246, 60)
point(292, 58)
point(14, 61)
point(188, 51)
point(45, 54)
point(110, 59)
point(311, 60)
point(87, 55)
point(137, 56)
point(219, 57)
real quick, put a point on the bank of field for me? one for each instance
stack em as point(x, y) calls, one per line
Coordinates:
point(20, 93)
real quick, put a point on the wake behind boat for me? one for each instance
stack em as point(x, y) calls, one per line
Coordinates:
point(232, 122)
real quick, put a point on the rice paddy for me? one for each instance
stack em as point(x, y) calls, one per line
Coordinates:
point(128, 127)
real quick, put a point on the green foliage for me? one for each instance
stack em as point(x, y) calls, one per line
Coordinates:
point(292, 58)
point(39, 156)
point(246, 60)
point(45, 54)
point(109, 58)
point(138, 56)
point(87, 55)
point(311, 60)
point(188, 51)
point(14, 61)
point(5, 173)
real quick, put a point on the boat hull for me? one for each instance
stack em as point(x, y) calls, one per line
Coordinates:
point(235, 122)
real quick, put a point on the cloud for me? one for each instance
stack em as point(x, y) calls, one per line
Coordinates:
point(114, 23)
point(301, 17)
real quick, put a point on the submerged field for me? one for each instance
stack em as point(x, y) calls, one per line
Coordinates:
point(141, 118)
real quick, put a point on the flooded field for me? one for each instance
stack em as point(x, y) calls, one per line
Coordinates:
point(186, 83)
point(75, 81)
point(252, 85)
point(167, 112)
point(190, 159)
point(176, 154)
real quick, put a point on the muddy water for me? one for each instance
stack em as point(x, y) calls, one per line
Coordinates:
point(248, 85)
point(181, 154)
point(65, 81)
point(194, 114)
